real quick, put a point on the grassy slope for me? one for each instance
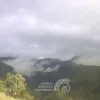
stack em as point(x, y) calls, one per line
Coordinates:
point(4, 97)
point(85, 82)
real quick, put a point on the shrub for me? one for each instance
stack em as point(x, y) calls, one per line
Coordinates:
point(15, 86)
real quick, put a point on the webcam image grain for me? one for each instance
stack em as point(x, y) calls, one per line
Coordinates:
point(49, 49)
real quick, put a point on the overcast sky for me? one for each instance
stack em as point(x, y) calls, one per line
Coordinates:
point(49, 28)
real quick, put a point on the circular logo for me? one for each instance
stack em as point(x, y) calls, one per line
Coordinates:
point(64, 84)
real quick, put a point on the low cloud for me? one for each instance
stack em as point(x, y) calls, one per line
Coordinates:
point(30, 68)
point(52, 28)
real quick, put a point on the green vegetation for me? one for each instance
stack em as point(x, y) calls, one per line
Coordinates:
point(15, 86)
point(5, 97)
point(85, 85)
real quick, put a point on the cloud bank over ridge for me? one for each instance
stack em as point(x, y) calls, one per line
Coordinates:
point(50, 28)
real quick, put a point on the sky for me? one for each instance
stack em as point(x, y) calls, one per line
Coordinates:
point(50, 28)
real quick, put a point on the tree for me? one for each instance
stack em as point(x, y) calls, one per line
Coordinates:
point(16, 86)
point(2, 86)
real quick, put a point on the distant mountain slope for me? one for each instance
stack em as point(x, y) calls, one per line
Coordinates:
point(7, 58)
point(30, 66)
point(84, 79)
point(4, 69)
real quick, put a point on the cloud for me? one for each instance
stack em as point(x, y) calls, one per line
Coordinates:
point(49, 28)
point(30, 66)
